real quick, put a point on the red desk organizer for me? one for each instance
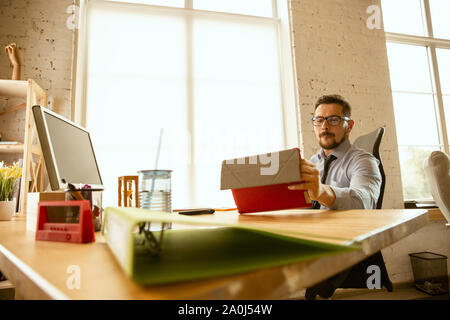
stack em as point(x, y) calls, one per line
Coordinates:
point(53, 224)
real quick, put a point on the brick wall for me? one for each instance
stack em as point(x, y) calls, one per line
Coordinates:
point(39, 27)
point(335, 52)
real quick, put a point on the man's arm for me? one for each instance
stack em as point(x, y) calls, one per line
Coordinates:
point(362, 193)
point(311, 181)
point(364, 186)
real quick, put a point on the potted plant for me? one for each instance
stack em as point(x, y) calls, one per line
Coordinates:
point(8, 178)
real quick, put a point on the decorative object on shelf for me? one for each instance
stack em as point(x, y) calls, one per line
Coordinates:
point(126, 191)
point(8, 177)
point(15, 54)
point(27, 149)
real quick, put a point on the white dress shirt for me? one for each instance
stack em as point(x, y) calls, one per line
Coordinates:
point(354, 177)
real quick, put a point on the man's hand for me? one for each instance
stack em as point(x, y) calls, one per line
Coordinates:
point(13, 52)
point(311, 182)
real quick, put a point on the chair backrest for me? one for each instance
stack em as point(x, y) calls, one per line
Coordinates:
point(371, 143)
point(437, 172)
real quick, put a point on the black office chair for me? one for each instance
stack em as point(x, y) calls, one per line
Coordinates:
point(356, 277)
point(371, 143)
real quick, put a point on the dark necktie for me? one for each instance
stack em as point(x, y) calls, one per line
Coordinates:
point(326, 168)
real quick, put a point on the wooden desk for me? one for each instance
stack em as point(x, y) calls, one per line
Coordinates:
point(39, 268)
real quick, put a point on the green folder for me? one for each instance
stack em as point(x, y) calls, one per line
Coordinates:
point(194, 254)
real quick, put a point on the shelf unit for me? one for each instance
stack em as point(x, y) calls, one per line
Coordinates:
point(32, 170)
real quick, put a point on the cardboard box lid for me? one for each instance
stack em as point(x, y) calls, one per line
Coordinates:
point(261, 170)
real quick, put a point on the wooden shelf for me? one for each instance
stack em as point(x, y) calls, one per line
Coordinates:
point(33, 166)
point(12, 109)
point(13, 88)
point(17, 148)
point(11, 148)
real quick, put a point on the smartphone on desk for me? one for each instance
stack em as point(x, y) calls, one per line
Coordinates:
point(193, 212)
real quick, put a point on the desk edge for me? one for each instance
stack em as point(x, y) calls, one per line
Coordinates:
point(50, 290)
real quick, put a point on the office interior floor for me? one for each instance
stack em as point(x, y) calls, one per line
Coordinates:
point(404, 292)
point(400, 292)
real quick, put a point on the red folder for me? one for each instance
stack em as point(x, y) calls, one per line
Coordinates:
point(255, 192)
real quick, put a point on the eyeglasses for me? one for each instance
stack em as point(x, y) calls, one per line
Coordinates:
point(331, 120)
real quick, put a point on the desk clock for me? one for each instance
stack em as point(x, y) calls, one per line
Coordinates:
point(66, 221)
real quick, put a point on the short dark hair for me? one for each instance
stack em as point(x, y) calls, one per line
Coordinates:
point(337, 99)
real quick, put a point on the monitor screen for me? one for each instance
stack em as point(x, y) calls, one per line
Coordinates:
point(67, 149)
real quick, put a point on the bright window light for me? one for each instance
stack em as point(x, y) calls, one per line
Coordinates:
point(261, 8)
point(446, 99)
point(443, 57)
point(403, 16)
point(416, 91)
point(415, 115)
point(136, 86)
point(237, 96)
point(409, 69)
point(415, 119)
point(440, 9)
point(177, 70)
point(166, 3)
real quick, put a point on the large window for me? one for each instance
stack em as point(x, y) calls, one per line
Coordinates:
point(209, 75)
point(418, 46)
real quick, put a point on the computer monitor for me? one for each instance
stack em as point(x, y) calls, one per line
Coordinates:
point(67, 149)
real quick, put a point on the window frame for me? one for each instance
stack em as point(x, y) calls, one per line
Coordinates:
point(286, 66)
point(431, 44)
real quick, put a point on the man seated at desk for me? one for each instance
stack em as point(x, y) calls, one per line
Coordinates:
point(347, 178)
point(340, 176)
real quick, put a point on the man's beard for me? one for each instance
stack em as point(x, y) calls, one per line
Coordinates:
point(334, 144)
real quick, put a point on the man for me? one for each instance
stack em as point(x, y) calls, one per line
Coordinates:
point(340, 176)
point(353, 179)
